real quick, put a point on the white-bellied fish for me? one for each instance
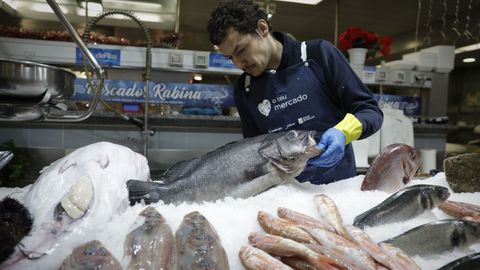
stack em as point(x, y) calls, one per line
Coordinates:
point(152, 245)
point(241, 169)
point(437, 237)
point(403, 205)
point(198, 245)
point(392, 168)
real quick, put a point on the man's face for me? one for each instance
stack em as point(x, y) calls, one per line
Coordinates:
point(248, 52)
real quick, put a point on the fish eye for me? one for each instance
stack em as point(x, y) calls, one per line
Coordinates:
point(412, 155)
point(292, 134)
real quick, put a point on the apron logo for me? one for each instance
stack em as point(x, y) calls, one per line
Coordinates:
point(264, 107)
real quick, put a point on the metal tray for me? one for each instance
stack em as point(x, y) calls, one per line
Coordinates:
point(24, 81)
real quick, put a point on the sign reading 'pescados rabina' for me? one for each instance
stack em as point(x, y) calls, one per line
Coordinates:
point(162, 93)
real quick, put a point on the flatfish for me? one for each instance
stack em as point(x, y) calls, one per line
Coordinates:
point(198, 245)
point(91, 255)
point(152, 245)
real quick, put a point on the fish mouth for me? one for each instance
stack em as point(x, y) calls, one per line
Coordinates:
point(311, 143)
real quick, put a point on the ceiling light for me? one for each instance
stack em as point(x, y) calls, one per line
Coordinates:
point(308, 2)
point(468, 48)
point(469, 60)
point(197, 77)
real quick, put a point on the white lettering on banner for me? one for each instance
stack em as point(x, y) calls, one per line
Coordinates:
point(290, 102)
point(162, 92)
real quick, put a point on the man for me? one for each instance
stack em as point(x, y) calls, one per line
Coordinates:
point(288, 84)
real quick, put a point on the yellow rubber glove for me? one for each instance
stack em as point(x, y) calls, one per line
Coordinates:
point(351, 127)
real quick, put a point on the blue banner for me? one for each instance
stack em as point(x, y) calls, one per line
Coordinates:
point(162, 93)
point(411, 106)
point(104, 57)
point(220, 61)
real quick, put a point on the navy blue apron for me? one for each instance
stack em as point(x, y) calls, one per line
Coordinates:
point(297, 98)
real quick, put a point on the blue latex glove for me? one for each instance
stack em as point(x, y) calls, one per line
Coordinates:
point(332, 143)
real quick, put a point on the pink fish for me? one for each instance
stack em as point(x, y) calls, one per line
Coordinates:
point(256, 259)
point(392, 168)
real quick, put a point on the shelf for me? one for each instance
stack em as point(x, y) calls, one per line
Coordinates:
point(67, 53)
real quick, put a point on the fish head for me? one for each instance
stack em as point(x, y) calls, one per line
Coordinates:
point(411, 159)
point(441, 194)
point(290, 151)
point(152, 216)
point(91, 255)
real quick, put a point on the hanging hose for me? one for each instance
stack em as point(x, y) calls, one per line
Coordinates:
point(146, 75)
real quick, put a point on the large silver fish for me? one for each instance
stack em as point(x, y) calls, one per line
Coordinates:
point(198, 245)
point(151, 245)
point(91, 255)
point(403, 205)
point(437, 237)
point(241, 169)
point(74, 195)
point(392, 168)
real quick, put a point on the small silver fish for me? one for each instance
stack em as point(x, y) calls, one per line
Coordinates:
point(437, 237)
point(403, 205)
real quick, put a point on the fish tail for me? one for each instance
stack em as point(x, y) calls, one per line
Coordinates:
point(138, 190)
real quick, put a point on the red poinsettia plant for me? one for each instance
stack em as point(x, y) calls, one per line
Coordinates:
point(355, 37)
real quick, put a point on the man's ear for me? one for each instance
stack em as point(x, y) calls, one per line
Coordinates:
point(262, 27)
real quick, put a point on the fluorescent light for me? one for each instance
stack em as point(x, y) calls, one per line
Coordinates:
point(469, 60)
point(308, 2)
point(468, 48)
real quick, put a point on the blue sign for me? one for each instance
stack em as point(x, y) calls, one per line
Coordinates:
point(220, 61)
point(104, 57)
point(411, 106)
point(186, 94)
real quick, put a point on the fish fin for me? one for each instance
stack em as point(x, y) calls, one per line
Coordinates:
point(149, 192)
point(177, 170)
point(255, 172)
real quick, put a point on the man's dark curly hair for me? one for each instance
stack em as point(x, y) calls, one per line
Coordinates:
point(241, 15)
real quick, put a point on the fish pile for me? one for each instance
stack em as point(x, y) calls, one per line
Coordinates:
point(152, 246)
point(294, 240)
point(241, 169)
point(393, 168)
